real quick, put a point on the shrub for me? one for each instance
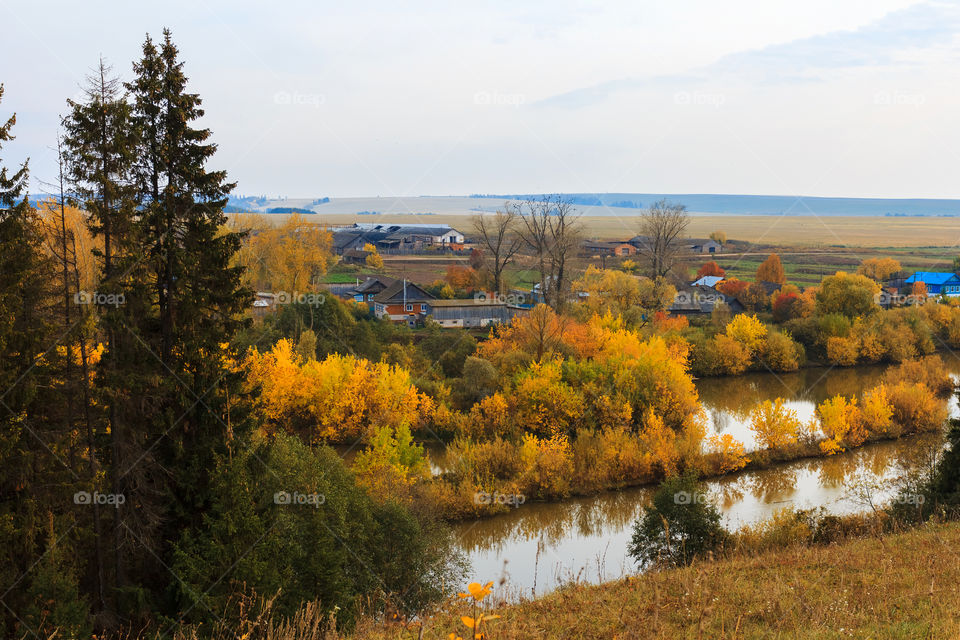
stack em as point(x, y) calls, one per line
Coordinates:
point(727, 454)
point(781, 353)
point(747, 331)
point(679, 526)
point(775, 426)
point(929, 370)
point(547, 466)
point(727, 355)
point(916, 408)
point(876, 411)
point(841, 424)
point(842, 351)
point(248, 538)
point(785, 527)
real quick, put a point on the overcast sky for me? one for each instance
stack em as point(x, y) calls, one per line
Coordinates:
point(800, 97)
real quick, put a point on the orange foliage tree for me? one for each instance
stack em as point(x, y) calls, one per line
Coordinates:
point(710, 269)
point(771, 270)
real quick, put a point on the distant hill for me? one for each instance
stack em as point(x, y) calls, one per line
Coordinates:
point(762, 205)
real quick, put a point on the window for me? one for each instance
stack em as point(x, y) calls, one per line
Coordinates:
point(409, 307)
point(423, 307)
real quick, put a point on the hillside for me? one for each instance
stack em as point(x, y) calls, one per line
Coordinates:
point(900, 586)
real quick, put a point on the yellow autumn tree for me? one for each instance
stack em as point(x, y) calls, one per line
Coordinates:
point(337, 399)
point(374, 260)
point(748, 331)
point(774, 425)
point(841, 423)
point(879, 269)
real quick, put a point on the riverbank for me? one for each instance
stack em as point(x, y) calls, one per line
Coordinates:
point(897, 586)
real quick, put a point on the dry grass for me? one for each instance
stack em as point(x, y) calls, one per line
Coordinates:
point(899, 586)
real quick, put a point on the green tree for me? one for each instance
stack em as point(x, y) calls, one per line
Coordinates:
point(680, 524)
point(38, 525)
point(288, 519)
point(196, 299)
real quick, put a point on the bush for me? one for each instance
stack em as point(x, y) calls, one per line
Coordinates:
point(841, 423)
point(916, 408)
point(842, 351)
point(785, 527)
point(781, 353)
point(679, 526)
point(775, 426)
point(929, 370)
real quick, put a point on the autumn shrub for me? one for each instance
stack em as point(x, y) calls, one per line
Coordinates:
point(748, 331)
point(490, 418)
point(916, 408)
point(658, 443)
point(547, 466)
point(929, 370)
point(841, 423)
point(727, 356)
point(876, 411)
point(781, 353)
point(775, 426)
point(488, 462)
point(391, 465)
point(543, 403)
point(726, 454)
point(842, 350)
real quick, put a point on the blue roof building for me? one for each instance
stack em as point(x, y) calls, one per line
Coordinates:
point(938, 282)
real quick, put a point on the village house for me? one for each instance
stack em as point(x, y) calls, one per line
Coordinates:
point(402, 301)
point(470, 313)
point(937, 282)
point(369, 288)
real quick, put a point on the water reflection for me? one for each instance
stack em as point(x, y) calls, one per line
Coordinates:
point(729, 401)
point(542, 545)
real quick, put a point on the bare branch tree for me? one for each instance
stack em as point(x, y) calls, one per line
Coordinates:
point(551, 230)
point(499, 239)
point(662, 228)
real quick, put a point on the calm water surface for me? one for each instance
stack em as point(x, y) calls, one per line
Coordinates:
point(539, 546)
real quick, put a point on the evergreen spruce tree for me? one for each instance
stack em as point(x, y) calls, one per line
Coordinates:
point(99, 149)
point(197, 300)
point(38, 455)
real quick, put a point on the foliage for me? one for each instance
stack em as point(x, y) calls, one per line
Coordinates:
point(710, 268)
point(842, 424)
point(846, 294)
point(879, 269)
point(679, 526)
point(282, 516)
point(775, 426)
point(771, 270)
point(373, 260)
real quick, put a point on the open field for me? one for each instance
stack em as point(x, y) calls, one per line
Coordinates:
point(900, 586)
point(805, 231)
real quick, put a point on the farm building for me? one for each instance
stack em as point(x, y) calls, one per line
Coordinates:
point(396, 238)
point(470, 313)
point(367, 290)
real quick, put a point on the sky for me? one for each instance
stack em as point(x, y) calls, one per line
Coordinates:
point(856, 98)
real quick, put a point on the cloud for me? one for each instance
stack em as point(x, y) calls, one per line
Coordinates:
point(893, 40)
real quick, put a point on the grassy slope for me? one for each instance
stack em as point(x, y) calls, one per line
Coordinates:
point(900, 586)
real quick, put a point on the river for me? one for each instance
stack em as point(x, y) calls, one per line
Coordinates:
point(538, 547)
